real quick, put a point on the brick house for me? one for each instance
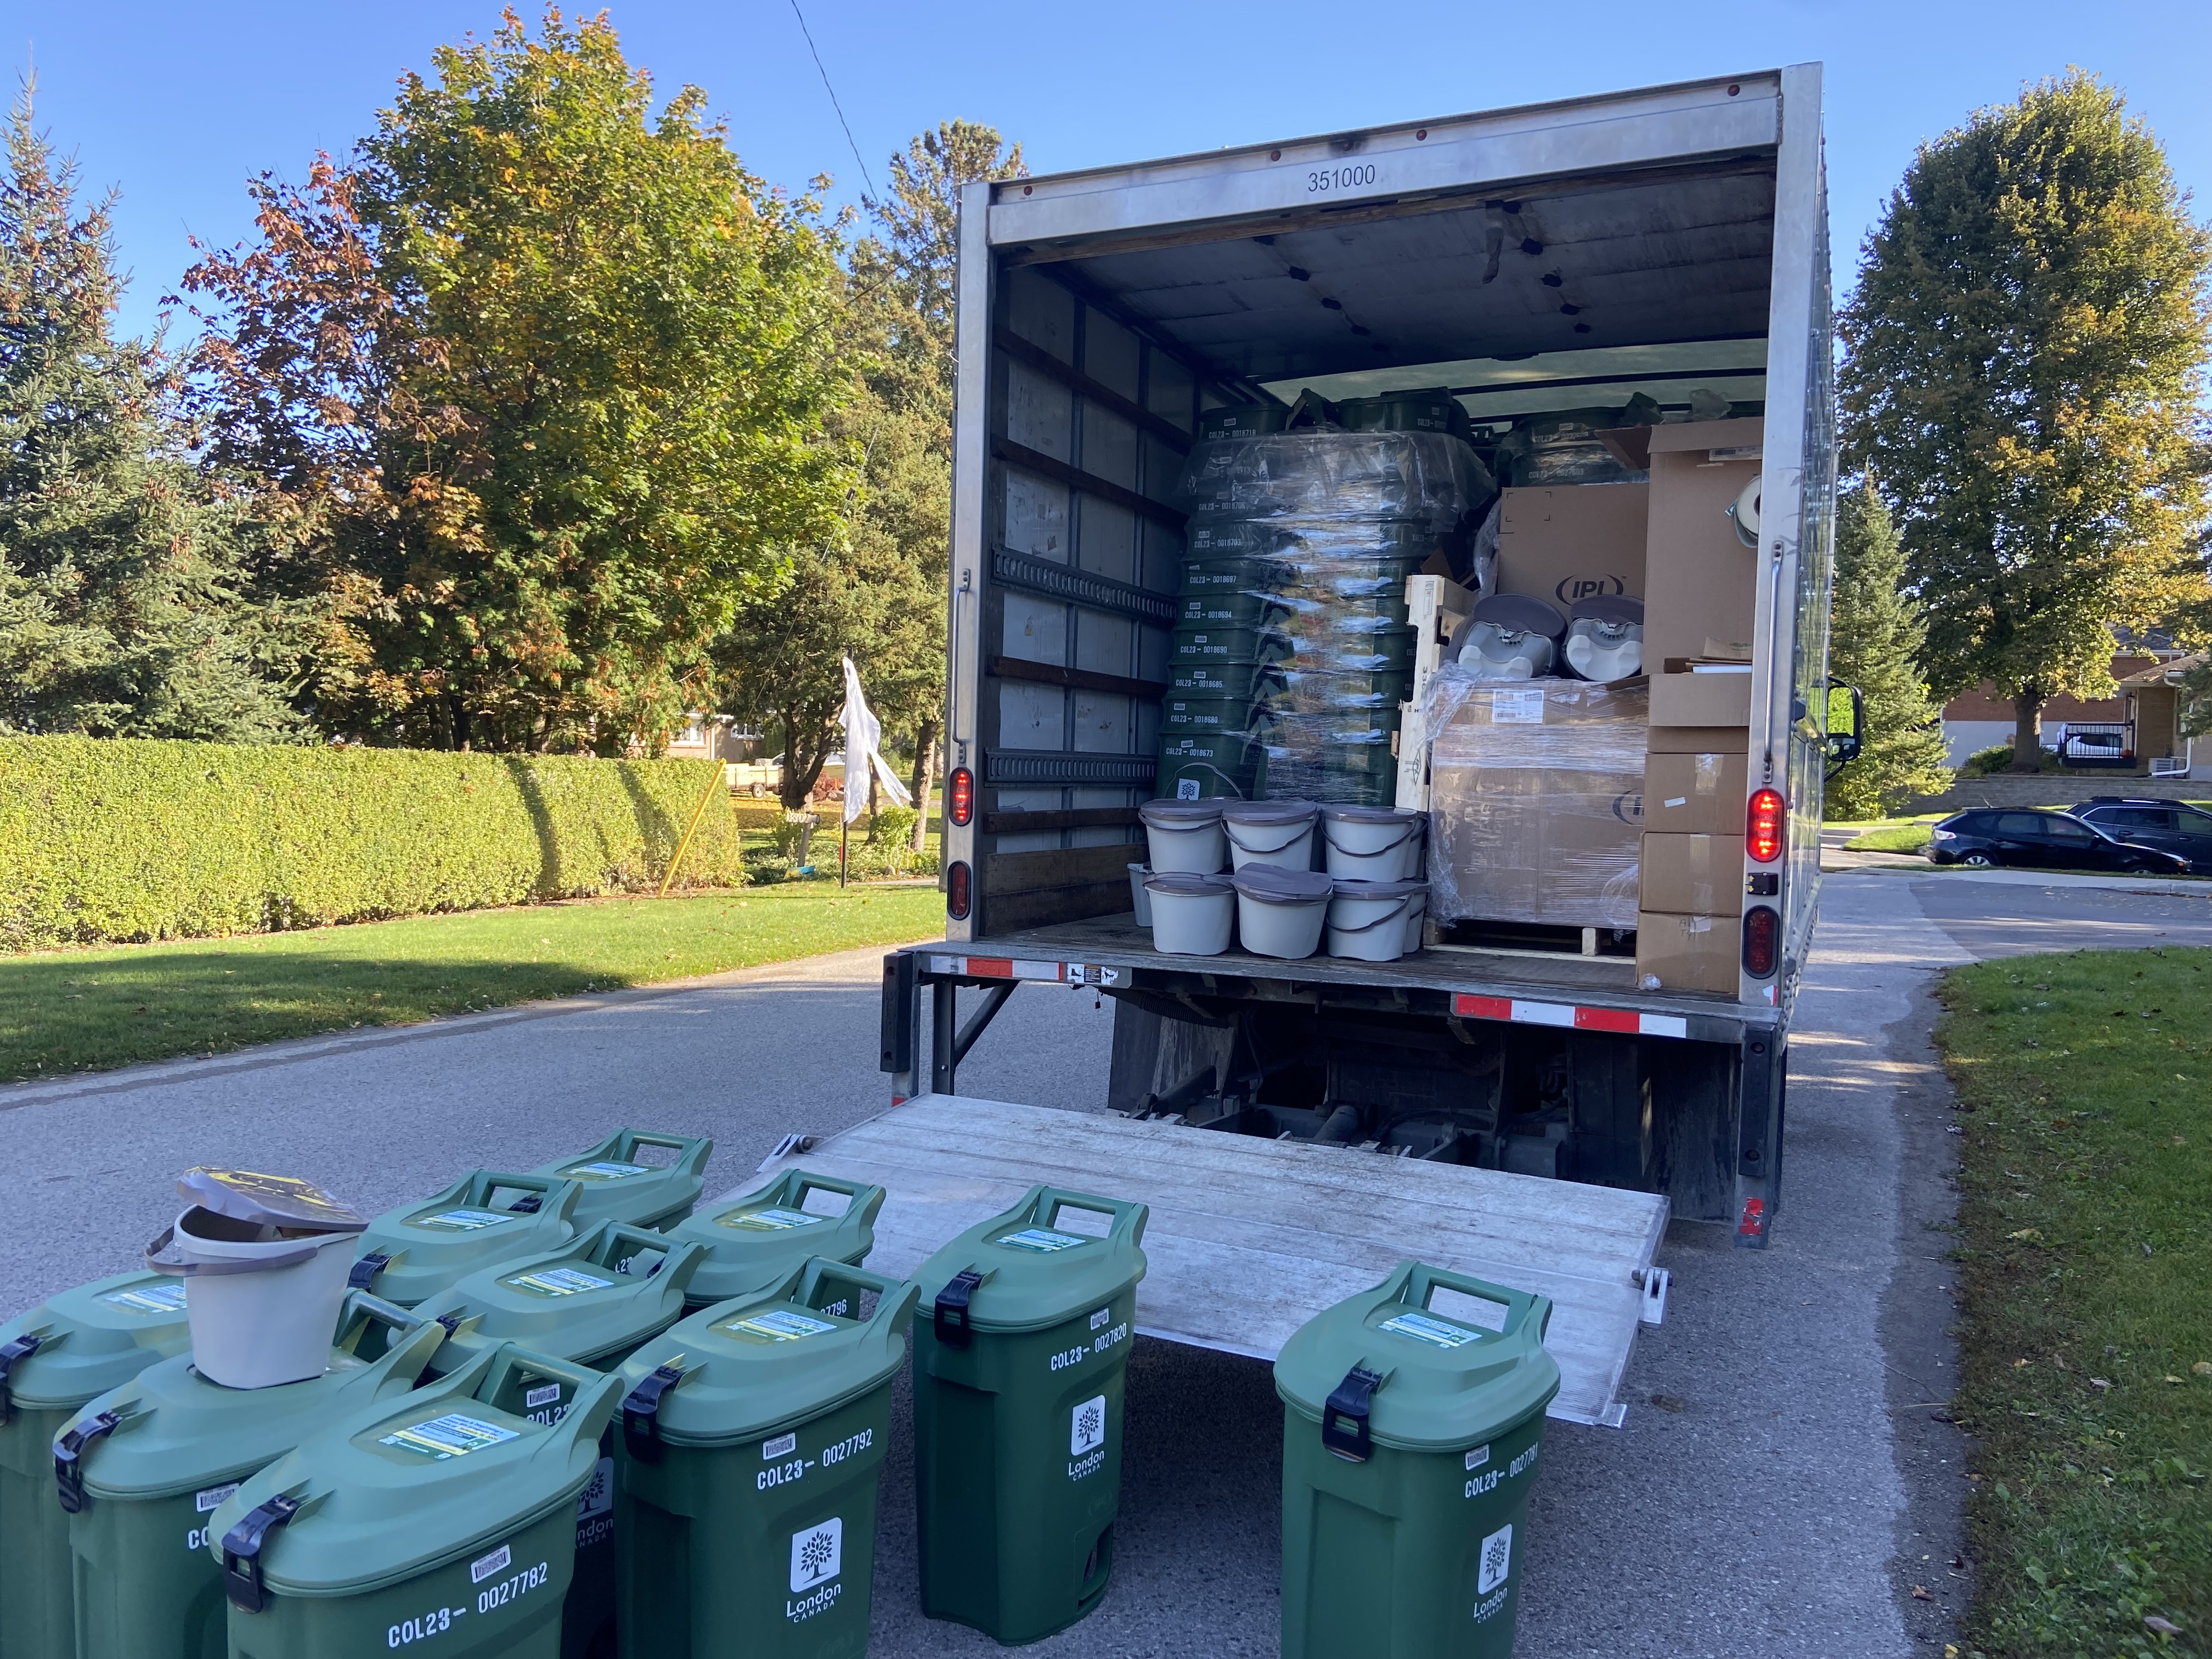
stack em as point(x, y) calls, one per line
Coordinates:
point(2126, 732)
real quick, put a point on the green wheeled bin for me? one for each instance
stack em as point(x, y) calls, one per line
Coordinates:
point(753, 1437)
point(410, 1253)
point(754, 1240)
point(444, 1519)
point(1412, 1416)
point(619, 1185)
point(72, 1349)
point(590, 1303)
point(1018, 1382)
point(142, 1467)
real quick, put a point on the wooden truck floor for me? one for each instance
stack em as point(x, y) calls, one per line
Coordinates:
point(1249, 1238)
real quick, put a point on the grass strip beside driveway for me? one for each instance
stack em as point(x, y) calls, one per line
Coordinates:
point(2086, 1287)
point(77, 1011)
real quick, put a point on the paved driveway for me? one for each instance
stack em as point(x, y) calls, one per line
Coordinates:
point(1779, 1487)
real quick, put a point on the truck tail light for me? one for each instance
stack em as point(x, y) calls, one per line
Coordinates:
point(1762, 941)
point(962, 795)
point(959, 885)
point(1763, 826)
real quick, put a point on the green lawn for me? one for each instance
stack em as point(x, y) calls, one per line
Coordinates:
point(1895, 838)
point(76, 1011)
point(2086, 1295)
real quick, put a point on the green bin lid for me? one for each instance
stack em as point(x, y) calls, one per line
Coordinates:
point(1460, 1359)
point(756, 1240)
point(85, 1341)
point(405, 1487)
point(600, 1294)
point(756, 1364)
point(175, 1431)
point(619, 1186)
point(483, 1218)
point(1054, 1255)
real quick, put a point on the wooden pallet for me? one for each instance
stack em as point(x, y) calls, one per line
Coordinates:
point(1435, 606)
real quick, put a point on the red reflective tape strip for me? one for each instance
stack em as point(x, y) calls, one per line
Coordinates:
point(989, 968)
point(1754, 1219)
point(1605, 1019)
point(1672, 1026)
point(1482, 1007)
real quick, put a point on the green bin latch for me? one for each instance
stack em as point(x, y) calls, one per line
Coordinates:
point(365, 1271)
point(69, 1457)
point(641, 1413)
point(241, 1552)
point(22, 1348)
point(1349, 1405)
point(953, 1330)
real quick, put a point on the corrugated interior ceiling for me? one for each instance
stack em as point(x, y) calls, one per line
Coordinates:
point(1638, 261)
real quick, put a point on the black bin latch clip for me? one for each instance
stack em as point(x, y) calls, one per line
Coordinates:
point(241, 1553)
point(1343, 1428)
point(365, 1270)
point(641, 1413)
point(69, 1456)
point(953, 1328)
point(21, 1347)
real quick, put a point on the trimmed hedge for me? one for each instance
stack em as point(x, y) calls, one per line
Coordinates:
point(122, 839)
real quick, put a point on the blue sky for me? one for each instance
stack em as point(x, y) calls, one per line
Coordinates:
point(176, 106)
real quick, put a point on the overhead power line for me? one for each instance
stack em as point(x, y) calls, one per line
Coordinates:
point(833, 104)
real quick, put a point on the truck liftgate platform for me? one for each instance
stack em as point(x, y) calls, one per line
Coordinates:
point(1250, 1238)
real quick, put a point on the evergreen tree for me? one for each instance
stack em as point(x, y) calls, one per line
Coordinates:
point(1875, 634)
point(2025, 348)
point(120, 569)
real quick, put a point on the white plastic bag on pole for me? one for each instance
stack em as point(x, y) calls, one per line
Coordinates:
point(863, 731)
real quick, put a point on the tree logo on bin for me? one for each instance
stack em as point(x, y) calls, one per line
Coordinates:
point(1497, 1560)
point(817, 1555)
point(1087, 1426)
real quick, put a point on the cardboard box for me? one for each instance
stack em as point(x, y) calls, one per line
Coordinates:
point(1701, 700)
point(1687, 953)
point(1700, 793)
point(1699, 740)
point(1569, 542)
point(1701, 582)
point(1692, 875)
point(1537, 803)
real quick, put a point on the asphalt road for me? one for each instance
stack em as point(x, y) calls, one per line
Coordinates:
point(1781, 1483)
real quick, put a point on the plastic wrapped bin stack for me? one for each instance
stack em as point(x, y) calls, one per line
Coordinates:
point(1292, 650)
point(1536, 800)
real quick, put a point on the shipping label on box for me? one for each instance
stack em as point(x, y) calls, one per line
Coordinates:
point(1686, 953)
point(1696, 794)
point(1692, 875)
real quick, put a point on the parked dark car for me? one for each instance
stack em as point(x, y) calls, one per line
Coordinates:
point(2168, 824)
point(2043, 840)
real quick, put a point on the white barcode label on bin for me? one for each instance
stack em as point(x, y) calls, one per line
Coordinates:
point(501, 1559)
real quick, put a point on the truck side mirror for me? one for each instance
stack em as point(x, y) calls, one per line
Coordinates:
point(1846, 725)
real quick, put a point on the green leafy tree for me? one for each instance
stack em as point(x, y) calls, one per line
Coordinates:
point(540, 385)
point(121, 608)
point(877, 588)
point(2026, 348)
point(1875, 634)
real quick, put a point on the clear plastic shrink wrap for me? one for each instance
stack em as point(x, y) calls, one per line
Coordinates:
point(1306, 538)
point(1536, 799)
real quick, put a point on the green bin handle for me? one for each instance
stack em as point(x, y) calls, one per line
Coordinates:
point(1422, 1280)
point(679, 1261)
point(692, 1150)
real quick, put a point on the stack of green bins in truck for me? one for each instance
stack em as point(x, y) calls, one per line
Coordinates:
point(442, 1519)
point(142, 1468)
point(1299, 545)
point(753, 1437)
point(1412, 1416)
point(54, 1359)
point(1018, 1372)
point(590, 1303)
